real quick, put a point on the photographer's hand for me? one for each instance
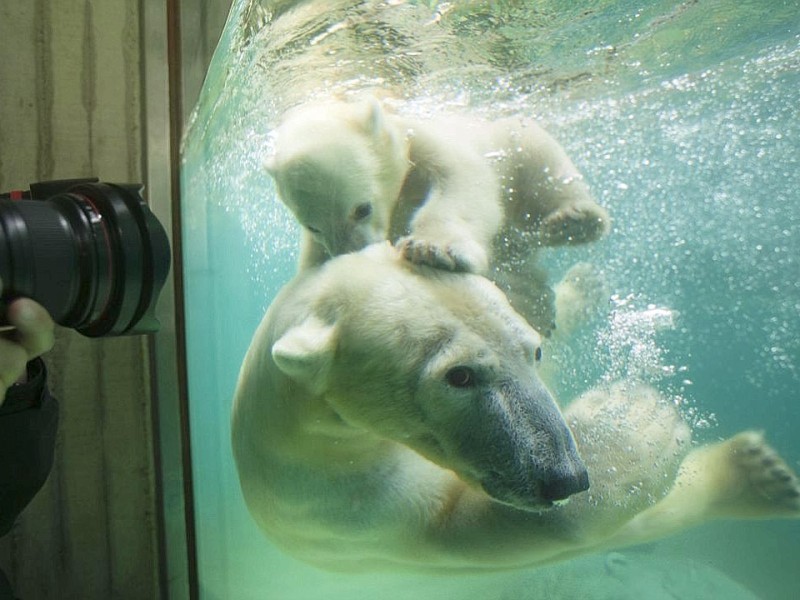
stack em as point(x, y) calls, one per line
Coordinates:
point(28, 413)
point(29, 333)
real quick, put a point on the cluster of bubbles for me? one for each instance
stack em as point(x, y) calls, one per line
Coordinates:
point(629, 348)
point(628, 341)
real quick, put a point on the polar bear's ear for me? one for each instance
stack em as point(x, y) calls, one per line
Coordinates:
point(305, 353)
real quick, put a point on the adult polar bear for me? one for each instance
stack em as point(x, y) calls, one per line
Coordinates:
point(456, 192)
point(389, 415)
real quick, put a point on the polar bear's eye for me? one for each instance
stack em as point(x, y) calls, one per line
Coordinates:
point(537, 354)
point(461, 377)
point(362, 211)
point(313, 230)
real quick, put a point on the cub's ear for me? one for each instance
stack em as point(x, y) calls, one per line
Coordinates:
point(305, 353)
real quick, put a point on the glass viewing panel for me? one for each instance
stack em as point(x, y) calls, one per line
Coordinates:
point(681, 117)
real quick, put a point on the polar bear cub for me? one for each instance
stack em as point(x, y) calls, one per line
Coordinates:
point(455, 192)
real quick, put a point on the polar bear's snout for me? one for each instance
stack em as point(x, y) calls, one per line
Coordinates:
point(565, 482)
point(534, 460)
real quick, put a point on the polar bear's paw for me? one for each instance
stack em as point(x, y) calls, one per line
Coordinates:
point(772, 488)
point(463, 256)
point(742, 477)
point(577, 223)
point(632, 440)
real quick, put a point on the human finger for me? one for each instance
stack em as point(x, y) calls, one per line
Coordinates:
point(35, 330)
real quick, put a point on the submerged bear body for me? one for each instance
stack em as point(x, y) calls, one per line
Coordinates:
point(390, 416)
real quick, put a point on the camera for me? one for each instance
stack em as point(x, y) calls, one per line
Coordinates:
point(92, 253)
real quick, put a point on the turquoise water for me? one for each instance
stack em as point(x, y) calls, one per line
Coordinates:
point(684, 118)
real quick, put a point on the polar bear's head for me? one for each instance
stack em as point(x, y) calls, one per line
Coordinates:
point(435, 361)
point(339, 168)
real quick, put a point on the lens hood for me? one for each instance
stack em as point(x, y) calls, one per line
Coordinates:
point(93, 254)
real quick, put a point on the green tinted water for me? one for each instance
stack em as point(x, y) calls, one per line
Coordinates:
point(683, 117)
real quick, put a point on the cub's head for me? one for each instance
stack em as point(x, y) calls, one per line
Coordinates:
point(339, 168)
point(438, 362)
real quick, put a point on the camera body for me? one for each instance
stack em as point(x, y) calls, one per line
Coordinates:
point(92, 253)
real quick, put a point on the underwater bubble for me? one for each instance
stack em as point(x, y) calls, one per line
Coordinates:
point(631, 349)
point(629, 341)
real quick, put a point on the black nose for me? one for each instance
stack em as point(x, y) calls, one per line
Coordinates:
point(563, 485)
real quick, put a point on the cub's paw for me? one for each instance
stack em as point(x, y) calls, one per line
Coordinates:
point(460, 256)
point(574, 224)
point(769, 487)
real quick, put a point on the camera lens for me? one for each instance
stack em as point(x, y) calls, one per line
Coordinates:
point(93, 255)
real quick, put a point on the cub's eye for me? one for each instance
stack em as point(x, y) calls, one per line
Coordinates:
point(313, 230)
point(362, 211)
point(537, 354)
point(461, 377)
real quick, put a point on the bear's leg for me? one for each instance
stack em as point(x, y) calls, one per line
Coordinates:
point(632, 441)
point(527, 289)
point(741, 477)
point(577, 223)
point(451, 252)
point(579, 296)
